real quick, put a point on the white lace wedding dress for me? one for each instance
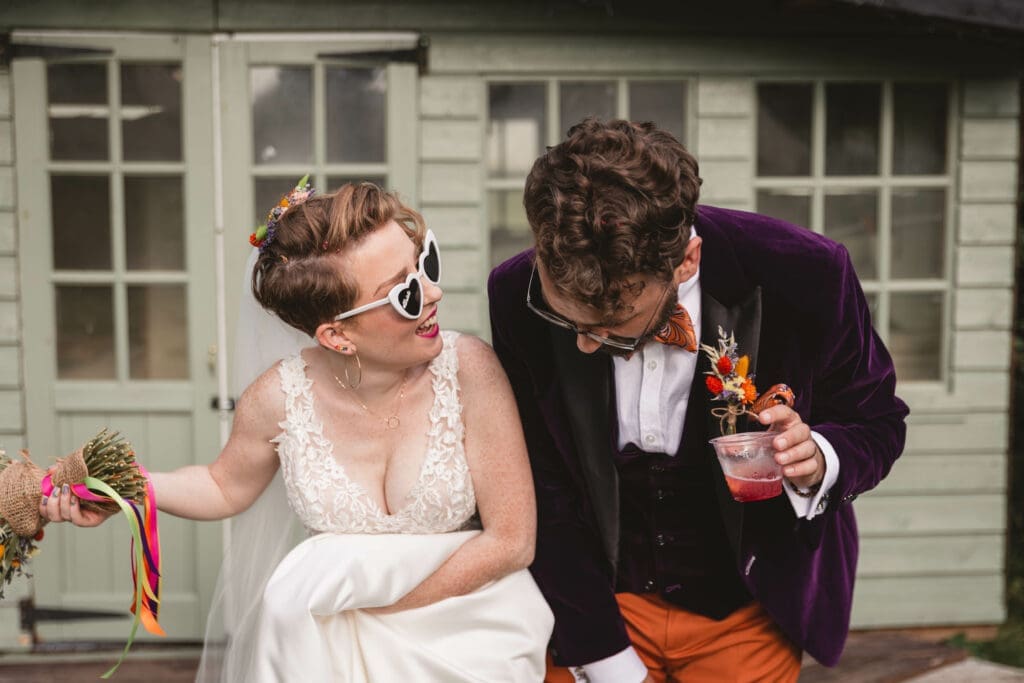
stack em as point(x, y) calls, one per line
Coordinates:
point(311, 625)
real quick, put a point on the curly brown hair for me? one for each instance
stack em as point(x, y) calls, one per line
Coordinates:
point(614, 200)
point(298, 275)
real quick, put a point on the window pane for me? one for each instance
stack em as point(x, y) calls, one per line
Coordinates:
point(662, 102)
point(157, 332)
point(516, 128)
point(282, 114)
point(76, 83)
point(789, 205)
point(852, 218)
point(78, 111)
point(580, 100)
point(80, 207)
point(154, 223)
point(784, 129)
point(267, 192)
point(853, 113)
point(85, 332)
point(915, 334)
point(919, 128)
point(918, 233)
point(510, 232)
point(151, 112)
point(355, 102)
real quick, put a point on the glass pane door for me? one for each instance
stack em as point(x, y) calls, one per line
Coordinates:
point(115, 200)
point(117, 206)
point(308, 112)
point(324, 118)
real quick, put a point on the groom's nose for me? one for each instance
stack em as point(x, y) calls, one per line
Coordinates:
point(585, 344)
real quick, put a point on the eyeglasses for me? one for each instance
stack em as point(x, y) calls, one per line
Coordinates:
point(622, 343)
point(407, 297)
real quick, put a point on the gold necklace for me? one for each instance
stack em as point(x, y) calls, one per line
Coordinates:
point(391, 421)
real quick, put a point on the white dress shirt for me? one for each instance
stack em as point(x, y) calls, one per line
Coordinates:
point(652, 391)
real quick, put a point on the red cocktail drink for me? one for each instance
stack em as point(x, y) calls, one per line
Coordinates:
point(748, 462)
point(748, 490)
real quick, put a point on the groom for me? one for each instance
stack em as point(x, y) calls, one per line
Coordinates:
point(653, 571)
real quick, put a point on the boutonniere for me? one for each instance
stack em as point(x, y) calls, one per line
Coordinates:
point(730, 381)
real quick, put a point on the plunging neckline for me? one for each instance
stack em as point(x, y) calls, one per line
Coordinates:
point(320, 491)
point(339, 469)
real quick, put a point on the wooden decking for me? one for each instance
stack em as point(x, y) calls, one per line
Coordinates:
point(870, 657)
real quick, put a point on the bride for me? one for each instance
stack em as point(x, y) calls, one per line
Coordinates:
point(400, 452)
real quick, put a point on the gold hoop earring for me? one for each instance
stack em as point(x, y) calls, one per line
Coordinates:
point(359, 376)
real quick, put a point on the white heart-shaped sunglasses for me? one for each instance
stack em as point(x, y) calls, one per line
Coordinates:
point(407, 297)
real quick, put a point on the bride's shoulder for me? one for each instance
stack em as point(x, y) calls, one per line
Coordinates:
point(263, 397)
point(478, 364)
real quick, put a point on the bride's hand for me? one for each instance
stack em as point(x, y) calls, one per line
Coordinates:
point(62, 506)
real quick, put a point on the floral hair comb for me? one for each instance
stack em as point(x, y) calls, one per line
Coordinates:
point(264, 234)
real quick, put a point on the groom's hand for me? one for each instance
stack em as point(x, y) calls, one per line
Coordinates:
point(802, 461)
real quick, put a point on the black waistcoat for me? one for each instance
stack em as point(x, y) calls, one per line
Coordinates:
point(673, 541)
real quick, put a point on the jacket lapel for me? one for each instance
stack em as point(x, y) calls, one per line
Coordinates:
point(743, 320)
point(586, 390)
point(729, 301)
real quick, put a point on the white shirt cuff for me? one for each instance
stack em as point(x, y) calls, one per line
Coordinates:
point(808, 508)
point(621, 667)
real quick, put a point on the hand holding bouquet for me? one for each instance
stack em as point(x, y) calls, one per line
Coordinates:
point(106, 478)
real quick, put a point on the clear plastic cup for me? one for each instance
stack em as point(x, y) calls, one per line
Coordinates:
point(748, 462)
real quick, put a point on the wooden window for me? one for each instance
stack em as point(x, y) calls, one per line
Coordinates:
point(116, 173)
point(524, 116)
point(325, 118)
point(867, 163)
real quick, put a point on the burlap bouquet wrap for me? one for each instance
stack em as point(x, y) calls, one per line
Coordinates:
point(20, 490)
point(104, 476)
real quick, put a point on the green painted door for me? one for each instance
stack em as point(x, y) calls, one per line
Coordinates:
point(114, 204)
point(118, 225)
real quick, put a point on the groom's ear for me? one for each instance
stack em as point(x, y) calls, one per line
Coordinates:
point(690, 263)
point(331, 335)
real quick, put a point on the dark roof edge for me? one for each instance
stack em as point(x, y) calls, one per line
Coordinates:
point(1005, 15)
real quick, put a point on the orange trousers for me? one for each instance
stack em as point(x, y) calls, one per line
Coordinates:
point(680, 646)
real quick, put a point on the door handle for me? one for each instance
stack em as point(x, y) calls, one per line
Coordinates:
point(229, 403)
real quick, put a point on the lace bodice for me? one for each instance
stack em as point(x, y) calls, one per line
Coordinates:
point(325, 499)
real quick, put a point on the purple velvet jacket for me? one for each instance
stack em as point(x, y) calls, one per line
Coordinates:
point(796, 307)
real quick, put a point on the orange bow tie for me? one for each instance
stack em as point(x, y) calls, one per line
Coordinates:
point(678, 331)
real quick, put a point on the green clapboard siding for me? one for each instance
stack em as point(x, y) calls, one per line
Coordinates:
point(946, 554)
point(932, 514)
point(922, 600)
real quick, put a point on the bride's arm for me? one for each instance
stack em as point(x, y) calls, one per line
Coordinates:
point(241, 472)
point(496, 454)
point(221, 489)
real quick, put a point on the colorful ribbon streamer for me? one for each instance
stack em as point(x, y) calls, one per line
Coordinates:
point(145, 551)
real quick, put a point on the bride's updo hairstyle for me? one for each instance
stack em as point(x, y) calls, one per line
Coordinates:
point(299, 275)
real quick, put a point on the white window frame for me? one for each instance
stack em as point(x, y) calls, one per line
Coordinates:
point(552, 112)
point(882, 286)
point(396, 167)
